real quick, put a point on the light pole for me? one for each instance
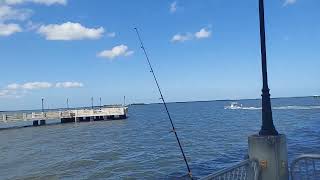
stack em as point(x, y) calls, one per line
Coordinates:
point(100, 102)
point(269, 147)
point(267, 127)
point(68, 103)
point(91, 102)
point(42, 107)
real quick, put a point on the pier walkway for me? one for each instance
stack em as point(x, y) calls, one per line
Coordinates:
point(77, 115)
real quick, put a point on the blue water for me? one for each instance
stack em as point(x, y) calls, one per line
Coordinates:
point(142, 147)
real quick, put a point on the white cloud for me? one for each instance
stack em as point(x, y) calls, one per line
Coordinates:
point(43, 85)
point(173, 7)
point(182, 37)
point(203, 33)
point(9, 13)
point(17, 90)
point(36, 85)
point(111, 34)
point(13, 86)
point(9, 29)
point(121, 50)
point(4, 92)
point(45, 2)
point(69, 85)
point(289, 2)
point(69, 31)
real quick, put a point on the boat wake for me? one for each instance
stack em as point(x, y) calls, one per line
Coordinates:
point(237, 106)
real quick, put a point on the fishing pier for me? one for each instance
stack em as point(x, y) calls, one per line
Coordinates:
point(68, 116)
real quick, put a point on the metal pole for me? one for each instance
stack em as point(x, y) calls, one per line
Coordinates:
point(100, 102)
point(42, 108)
point(92, 102)
point(124, 100)
point(67, 103)
point(267, 127)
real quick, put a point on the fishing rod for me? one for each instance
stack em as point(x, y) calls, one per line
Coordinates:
point(164, 102)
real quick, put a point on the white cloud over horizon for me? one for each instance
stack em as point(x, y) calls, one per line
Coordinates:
point(44, 2)
point(16, 89)
point(69, 85)
point(120, 50)
point(201, 34)
point(70, 31)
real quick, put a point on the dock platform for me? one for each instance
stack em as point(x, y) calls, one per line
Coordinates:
point(67, 116)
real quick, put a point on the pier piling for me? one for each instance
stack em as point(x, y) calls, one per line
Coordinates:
point(42, 122)
point(35, 123)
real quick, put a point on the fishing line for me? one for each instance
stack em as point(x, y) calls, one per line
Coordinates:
point(164, 102)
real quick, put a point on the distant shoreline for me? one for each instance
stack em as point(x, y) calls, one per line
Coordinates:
point(139, 104)
point(142, 104)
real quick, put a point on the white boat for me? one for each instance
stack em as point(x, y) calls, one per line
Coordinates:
point(234, 105)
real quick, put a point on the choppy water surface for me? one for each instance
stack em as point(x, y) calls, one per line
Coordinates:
point(143, 147)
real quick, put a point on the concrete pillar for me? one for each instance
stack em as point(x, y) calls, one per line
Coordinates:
point(271, 152)
point(42, 122)
point(24, 116)
point(35, 123)
point(4, 117)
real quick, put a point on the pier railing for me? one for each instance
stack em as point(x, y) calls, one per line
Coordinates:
point(106, 111)
point(245, 170)
point(306, 167)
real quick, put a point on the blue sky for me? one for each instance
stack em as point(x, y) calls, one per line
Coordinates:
point(201, 50)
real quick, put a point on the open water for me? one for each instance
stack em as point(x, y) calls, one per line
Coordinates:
point(142, 147)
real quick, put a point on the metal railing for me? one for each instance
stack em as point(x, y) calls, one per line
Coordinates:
point(55, 114)
point(306, 167)
point(245, 170)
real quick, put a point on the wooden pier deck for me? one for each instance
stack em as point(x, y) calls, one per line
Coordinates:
point(76, 115)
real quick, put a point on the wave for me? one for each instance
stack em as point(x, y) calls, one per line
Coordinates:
point(297, 107)
point(276, 108)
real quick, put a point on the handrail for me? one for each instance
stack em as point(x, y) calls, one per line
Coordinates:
point(305, 171)
point(245, 170)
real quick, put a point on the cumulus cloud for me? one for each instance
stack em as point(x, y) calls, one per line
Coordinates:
point(69, 85)
point(9, 13)
point(173, 7)
point(203, 33)
point(121, 50)
point(45, 2)
point(69, 31)
point(9, 29)
point(15, 89)
point(182, 37)
point(289, 2)
point(33, 85)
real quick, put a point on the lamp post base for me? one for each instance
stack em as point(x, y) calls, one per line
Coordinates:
point(271, 152)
